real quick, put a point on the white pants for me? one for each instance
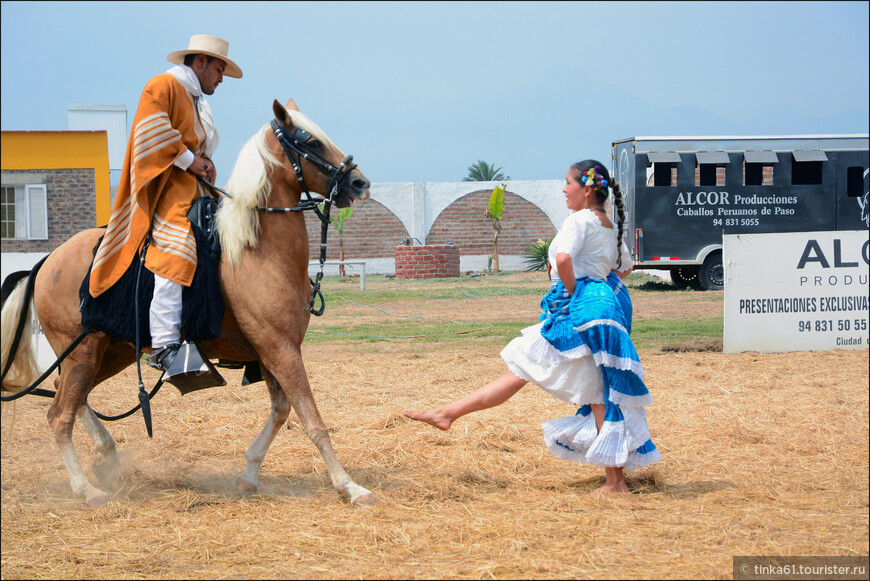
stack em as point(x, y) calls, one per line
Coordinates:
point(165, 312)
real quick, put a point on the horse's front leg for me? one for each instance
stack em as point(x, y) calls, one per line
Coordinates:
point(294, 382)
point(107, 467)
point(249, 480)
point(73, 384)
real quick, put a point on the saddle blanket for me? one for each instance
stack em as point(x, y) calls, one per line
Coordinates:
point(114, 312)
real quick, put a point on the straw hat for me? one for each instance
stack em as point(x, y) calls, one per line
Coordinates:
point(210, 45)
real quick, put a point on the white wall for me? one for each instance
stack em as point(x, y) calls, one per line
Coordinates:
point(418, 204)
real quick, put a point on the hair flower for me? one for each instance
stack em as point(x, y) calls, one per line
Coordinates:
point(593, 179)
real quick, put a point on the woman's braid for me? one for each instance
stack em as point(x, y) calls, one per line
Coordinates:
point(620, 211)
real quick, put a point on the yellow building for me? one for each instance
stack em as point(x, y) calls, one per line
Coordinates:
point(54, 184)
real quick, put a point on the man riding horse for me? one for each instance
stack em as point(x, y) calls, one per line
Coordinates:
point(171, 145)
point(263, 246)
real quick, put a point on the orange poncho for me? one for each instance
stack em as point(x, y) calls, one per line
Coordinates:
point(165, 126)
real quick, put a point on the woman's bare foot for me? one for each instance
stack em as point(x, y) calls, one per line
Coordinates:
point(610, 489)
point(433, 417)
point(614, 481)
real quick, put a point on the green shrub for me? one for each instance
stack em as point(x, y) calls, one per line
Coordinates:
point(536, 254)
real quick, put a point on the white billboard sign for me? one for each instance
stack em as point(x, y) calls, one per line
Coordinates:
point(797, 291)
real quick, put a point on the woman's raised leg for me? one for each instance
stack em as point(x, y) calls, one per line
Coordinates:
point(490, 395)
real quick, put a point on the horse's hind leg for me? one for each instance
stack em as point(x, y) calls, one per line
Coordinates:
point(107, 467)
point(249, 480)
point(298, 391)
point(73, 385)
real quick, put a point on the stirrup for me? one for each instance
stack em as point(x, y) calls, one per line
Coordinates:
point(190, 371)
point(161, 359)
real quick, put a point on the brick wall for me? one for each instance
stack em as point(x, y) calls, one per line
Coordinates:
point(72, 205)
point(372, 231)
point(430, 261)
point(465, 224)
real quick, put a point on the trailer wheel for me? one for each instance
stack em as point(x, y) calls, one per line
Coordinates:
point(712, 273)
point(685, 276)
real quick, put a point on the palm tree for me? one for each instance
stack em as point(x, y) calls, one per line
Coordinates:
point(484, 172)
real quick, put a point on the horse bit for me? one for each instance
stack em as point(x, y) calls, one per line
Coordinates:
point(296, 147)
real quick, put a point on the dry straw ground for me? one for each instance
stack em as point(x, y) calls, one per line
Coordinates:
point(763, 455)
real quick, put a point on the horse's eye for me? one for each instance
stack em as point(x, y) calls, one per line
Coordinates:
point(314, 144)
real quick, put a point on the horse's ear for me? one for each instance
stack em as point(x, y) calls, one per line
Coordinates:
point(291, 104)
point(281, 113)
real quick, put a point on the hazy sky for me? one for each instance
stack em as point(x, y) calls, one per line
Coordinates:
point(418, 91)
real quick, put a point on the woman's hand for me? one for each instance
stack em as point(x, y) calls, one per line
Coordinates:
point(565, 268)
point(622, 273)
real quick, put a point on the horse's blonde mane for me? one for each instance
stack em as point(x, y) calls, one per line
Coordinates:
point(238, 221)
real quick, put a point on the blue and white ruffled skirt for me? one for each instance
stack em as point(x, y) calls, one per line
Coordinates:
point(581, 353)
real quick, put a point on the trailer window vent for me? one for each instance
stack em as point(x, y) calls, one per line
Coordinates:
point(707, 174)
point(664, 168)
point(710, 168)
point(758, 167)
point(856, 181)
point(806, 173)
point(806, 167)
point(757, 174)
point(765, 157)
point(664, 175)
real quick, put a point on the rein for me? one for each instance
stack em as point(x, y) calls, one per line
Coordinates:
point(296, 148)
point(144, 397)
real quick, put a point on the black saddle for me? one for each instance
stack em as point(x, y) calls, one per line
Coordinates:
point(203, 214)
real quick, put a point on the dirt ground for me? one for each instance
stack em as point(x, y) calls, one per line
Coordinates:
point(762, 455)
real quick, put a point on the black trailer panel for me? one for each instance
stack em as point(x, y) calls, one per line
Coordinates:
point(677, 222)
point(682, 193)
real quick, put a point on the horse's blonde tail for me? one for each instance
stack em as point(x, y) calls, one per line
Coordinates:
point(24, 369)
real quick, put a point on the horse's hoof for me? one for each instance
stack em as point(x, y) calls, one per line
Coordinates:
point(98, 501)
point(244, 487)
point(365, 500)
point(108, 473)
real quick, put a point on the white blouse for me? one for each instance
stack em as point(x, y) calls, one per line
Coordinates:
point(591, 246)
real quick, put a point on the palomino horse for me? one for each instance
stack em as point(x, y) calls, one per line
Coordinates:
point(264, 284)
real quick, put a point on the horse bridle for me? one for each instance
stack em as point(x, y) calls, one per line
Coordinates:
point(296, 146)
point(297, 142)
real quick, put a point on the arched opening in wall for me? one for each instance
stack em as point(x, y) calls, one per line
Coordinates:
point(465, 224)
point(372, 231)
